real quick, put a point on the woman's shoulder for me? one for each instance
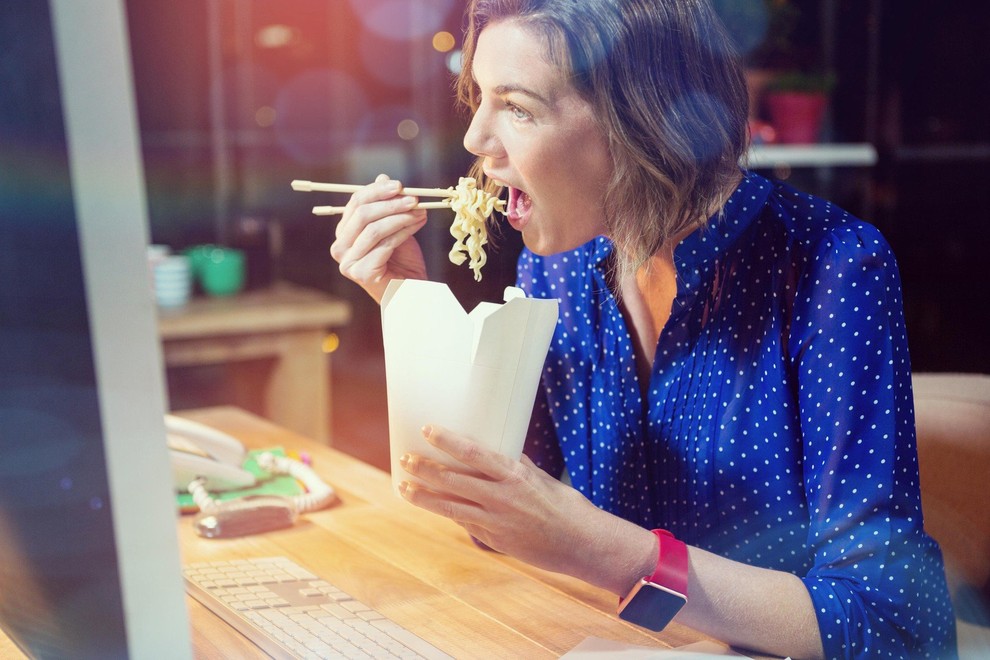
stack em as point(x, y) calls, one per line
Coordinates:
point(819, 225)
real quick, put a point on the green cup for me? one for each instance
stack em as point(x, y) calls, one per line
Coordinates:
point(198, 254)
point(220, 270)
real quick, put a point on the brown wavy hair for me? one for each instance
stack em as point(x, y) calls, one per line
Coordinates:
point(669, 95)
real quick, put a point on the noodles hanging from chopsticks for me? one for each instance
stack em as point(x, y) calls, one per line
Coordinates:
point(471, 206)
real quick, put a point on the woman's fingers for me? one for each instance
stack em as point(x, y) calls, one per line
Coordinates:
point(394, 227)
point(367, 226)
point(374, 238)
point(487, 462)
point(382, 188)
point(447, 492)
point(467, 484)
point(487, 479)
point(461, 511)
point(371, 252)
point(370, 204)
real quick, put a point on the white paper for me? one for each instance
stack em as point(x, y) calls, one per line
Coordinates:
point(474, 373)
point(594, 648)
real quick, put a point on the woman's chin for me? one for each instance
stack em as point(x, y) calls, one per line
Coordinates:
point(533, 228)
point(540, 244)
point(544, 245)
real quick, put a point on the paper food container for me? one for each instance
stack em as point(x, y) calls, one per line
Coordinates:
point(475, 373)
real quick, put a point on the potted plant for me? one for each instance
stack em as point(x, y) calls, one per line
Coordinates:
point(796, 102)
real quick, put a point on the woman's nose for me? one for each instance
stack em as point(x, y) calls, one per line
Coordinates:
point(479, 138)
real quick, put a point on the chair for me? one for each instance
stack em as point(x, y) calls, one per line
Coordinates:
point(953, 423)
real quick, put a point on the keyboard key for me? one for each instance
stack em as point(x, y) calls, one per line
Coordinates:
point(336, 611)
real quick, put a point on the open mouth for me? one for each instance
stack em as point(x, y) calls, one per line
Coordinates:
point(518, 208)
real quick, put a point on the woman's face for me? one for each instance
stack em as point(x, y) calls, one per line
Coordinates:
point(538, 137)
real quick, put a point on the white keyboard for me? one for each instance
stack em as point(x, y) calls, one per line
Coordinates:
point(291, 613)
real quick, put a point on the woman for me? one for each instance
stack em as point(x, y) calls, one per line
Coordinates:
point(730, 363)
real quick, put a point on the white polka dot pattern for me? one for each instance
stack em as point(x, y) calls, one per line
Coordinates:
point(777, 427)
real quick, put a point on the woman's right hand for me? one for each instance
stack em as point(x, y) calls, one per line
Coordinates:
point(374, 241)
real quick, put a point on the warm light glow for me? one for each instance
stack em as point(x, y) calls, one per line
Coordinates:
point(407, 129)
point(443, 41)
point(265, 116)
point(331, 342)
point(275, 36)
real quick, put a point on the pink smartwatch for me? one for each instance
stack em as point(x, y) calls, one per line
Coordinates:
point(656, 598)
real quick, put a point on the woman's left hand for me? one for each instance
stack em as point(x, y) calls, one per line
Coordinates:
point(518, 509)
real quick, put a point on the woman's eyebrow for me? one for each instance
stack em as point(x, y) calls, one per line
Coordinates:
point(501, 90)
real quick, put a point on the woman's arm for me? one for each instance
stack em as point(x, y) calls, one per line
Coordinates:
point(516, 508)
point(756, 608)
point(877, 580)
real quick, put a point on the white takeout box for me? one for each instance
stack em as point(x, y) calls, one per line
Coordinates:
point(475, 373)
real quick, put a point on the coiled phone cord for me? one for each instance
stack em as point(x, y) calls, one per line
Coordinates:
point(319, 496)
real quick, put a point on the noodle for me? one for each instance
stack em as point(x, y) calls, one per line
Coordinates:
point(471, 207)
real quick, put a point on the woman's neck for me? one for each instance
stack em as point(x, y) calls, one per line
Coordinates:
point(646, 299)
point(647, 296)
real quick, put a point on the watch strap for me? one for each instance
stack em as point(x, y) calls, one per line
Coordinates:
point(672, 563)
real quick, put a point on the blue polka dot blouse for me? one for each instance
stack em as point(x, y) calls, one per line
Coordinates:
point(777, 428)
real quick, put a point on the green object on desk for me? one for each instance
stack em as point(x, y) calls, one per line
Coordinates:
point(268, 483)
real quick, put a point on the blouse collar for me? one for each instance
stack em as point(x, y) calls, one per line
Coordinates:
point(711, 241)
point(698, 250)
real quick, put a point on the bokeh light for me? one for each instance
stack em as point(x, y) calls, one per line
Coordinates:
point(265, 116)
point(747, 22)
point(407, 129)
point(275, 36)
point(384, 123)
point(241, 111)
point(317, 113)
point(394, 63)
point(331, 342)
point(403, 20)
point(455, 61)
point(443, 41)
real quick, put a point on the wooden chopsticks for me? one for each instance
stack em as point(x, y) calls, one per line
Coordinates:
point(313, 186)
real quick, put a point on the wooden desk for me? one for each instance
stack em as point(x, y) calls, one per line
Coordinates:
point(420, 570)
point(284, 322)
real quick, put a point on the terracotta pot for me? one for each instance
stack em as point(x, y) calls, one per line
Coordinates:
point(796, 116)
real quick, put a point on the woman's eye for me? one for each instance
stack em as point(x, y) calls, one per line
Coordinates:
point(517, 112)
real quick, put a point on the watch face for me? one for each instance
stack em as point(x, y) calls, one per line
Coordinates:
point(651, 606)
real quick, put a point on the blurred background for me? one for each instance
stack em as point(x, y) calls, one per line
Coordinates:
point(238, 97)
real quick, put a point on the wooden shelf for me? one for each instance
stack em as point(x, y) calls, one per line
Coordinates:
point(284, 323)
point(812, 155)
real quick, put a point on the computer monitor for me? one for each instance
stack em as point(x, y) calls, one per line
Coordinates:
point(89, 559)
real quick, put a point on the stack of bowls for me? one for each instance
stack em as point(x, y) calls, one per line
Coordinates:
point(173, 280)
